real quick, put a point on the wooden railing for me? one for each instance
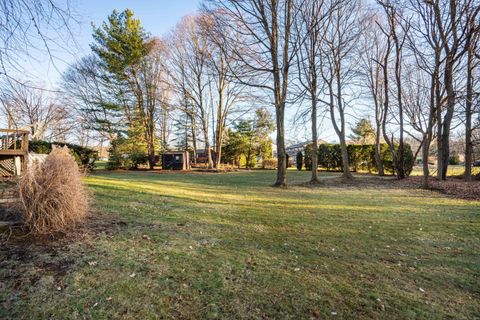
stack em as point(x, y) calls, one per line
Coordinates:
point(13, 140)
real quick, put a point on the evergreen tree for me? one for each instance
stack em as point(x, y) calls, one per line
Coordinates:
point(363, 133)
point(124, 49)
point(299, 161)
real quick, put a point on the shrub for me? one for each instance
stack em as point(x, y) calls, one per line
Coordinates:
point(299, 161)
point(360, 157)
point(85, 157)
point(52, 196)
point(270, 163)
point(454, 159)
point(125, 153)
point(307, 159)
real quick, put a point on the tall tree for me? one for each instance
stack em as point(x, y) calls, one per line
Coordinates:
point(338, 68)
point(472, 62)
point(125, 51)
point(371, 70)
point(312, 21)
point(451, 23)
point(189, 63)
point(363, 132)
point(29, 107)
point(396, 36)
point(266, 49)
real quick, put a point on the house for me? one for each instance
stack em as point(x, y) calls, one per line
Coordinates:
point(293, 149)
point(202, 156)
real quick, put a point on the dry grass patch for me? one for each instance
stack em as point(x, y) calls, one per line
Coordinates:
point(52, 197)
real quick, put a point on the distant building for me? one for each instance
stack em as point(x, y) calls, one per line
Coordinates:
point(103, 152)
point(176, 160)
point(293, 149)
point(202, 156)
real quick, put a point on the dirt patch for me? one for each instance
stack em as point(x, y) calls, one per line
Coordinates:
point(455, 187)
point(43, 261)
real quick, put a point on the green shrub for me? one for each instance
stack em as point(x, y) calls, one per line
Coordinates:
point(360, 157)
point(124, 153)
point(454, 159)
point(308, 157)
point(85, 157)
point(299, 161)
point(270, 163)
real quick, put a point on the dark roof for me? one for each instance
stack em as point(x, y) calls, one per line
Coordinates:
point(304, 144)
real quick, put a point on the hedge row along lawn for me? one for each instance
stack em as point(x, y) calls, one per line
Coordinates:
point(207, 245)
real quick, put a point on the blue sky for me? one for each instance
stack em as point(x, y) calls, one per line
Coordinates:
point(157, 17)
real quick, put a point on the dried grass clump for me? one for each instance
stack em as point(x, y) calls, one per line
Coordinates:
point(52, 196)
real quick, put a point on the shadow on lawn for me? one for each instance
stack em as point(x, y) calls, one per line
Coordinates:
point(28, 260)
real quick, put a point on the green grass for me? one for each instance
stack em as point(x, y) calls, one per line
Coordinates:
point(451, 171)
point(100, 165)
point(205, 245)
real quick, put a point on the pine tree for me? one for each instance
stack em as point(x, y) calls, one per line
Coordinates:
point(363, 133)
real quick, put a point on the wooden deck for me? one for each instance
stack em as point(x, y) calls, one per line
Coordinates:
point(12, 141)
point(13, 151)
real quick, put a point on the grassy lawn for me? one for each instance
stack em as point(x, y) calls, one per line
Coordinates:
point(205, 245)
point(451, 171)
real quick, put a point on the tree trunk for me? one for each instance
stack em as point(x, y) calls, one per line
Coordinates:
point(194, 140)
point(425, 151)
point(314, 178)
point(401, 148)
point(378, 152)
point(345, 166)
point(468, 117)
point(219, 133)
point(282, 165)
point(151, 152)
point(444, 151)
point(207, 144)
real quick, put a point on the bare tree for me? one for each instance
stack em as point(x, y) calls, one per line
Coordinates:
point(339, 67)
point(32, 28)
point(473, 61)
point(451, 23)
point(225, 93)
point(92, 97)
point(424, 44)
point(396, 36)
point(312, 21)
point(374, 51)
point(30, 108)
point(190, 59)
point(266, 48)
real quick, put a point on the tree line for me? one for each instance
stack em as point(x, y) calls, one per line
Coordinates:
point(414, 64)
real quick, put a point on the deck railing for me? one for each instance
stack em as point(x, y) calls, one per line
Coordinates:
point(13, 140)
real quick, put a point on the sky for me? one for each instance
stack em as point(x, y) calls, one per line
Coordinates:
point(158, 17)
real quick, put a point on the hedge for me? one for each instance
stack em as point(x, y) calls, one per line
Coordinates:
point(85, 157)
point(361, 157)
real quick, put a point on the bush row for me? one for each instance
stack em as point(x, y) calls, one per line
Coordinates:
point(85, 157)
point(361, 157)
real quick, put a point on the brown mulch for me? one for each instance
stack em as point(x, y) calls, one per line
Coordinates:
point(455, 187)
